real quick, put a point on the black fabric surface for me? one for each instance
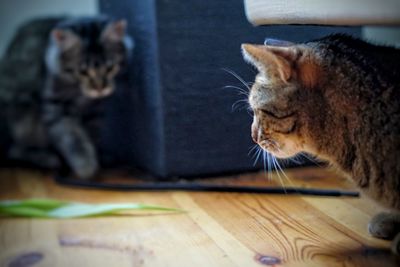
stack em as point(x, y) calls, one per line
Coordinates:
point(174, 117)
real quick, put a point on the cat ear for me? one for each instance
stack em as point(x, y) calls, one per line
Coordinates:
point(288, 61)
point(65, 39)
point(302, 62)
point(115, 31)
point(277, 42)
point(267, 61)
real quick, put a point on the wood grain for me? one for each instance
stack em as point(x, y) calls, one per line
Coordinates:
point(219, 229)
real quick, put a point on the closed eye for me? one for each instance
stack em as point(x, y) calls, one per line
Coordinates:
point(110, 68)
point(275, 115)
point(288, 130)
point(84, 72)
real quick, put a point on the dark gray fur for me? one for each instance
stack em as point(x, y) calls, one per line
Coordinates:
point(53, 78)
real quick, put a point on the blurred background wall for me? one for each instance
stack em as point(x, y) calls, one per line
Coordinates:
point(171, 114)
point(15, 12)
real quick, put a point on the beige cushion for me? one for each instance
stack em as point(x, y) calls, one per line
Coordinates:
point(337, 12)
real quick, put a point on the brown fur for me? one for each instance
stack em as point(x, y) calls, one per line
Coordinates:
point(336, 98)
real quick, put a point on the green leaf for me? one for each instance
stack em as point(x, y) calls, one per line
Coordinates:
point(22, 211)
point(50, 208)
point(43, 204)
point(84, 210)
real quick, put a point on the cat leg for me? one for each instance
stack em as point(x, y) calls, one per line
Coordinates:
point(396, 244)
point(72, 141)
point(385, 225)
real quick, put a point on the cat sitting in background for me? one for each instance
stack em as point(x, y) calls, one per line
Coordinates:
point(52, 80)
point(337, 98)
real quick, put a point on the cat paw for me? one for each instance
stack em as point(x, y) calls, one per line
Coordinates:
point(85, 168)
point(396, 245)
point(384, 225)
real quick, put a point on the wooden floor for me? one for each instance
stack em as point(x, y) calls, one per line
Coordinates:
point(219, 229)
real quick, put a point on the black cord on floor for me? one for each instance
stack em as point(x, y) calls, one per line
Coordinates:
point(169, 186)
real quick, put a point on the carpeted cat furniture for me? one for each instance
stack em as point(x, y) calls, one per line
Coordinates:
point(175, 116)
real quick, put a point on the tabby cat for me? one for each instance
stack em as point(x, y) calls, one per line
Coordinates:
point(53, 78)
point(337, 98)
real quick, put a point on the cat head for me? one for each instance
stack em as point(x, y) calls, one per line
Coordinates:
point(90, 52)
point(287, 75)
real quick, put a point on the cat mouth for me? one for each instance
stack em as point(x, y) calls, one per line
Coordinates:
point(98, 93)
point(269, 145)
point(273, 148)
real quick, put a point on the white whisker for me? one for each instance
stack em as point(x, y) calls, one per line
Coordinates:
point(254, 151)
point(279, 176)
point(252, 148)
point(249, 113)
point(296, 159)
point(283, 172)
point(265, 166)
point(237, 77)
point(280, 168)
point(310, 159)
point(239, 89)
point(236, 105)
point(259, 150)
point(269, 166)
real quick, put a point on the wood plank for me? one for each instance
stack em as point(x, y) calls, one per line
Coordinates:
point(218, 229)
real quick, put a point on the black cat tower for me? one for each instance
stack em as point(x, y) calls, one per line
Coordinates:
point(174, 116)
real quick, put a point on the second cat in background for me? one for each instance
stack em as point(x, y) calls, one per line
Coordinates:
point(53, 76)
